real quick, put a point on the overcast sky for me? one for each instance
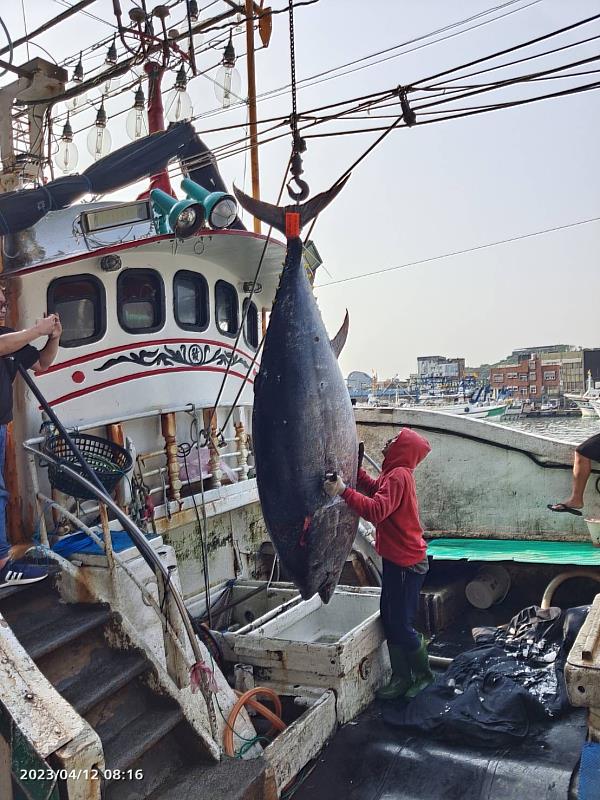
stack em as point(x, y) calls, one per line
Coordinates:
point(424, 191)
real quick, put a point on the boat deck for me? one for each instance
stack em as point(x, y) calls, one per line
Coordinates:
point(369, 760)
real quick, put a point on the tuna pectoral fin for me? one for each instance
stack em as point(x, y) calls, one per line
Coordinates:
point(339, 340)
point(275, 215)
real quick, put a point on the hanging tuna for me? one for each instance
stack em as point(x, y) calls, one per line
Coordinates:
point(303, 423)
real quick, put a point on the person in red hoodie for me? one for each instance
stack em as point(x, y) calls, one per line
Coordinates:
point(391, 504)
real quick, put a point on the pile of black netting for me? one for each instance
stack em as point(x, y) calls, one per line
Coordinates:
point(509, 683)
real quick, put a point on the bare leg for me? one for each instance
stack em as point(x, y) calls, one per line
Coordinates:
point(582, 467)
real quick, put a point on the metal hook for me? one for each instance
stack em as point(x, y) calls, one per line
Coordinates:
point(302, 185)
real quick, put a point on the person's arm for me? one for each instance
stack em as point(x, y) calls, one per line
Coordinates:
point(365, 483)
point(11, 342)
point(383, 503)
point(49, 351)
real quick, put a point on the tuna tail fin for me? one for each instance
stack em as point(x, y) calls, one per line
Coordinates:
point(275, 215)
point(339, 340)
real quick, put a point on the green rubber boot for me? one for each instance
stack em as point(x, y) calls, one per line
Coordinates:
point(422, 674)
point(401, 675)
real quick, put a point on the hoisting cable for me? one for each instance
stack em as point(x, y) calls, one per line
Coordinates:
point(298, 143)
point(241, 327)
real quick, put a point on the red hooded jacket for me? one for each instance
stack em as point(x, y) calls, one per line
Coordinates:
point(391, 501)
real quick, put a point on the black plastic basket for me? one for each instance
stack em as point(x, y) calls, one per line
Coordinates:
point(106, 459)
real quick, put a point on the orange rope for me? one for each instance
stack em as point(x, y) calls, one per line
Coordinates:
point(247, 698)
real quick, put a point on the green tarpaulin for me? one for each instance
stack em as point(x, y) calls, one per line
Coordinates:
point(580, 553)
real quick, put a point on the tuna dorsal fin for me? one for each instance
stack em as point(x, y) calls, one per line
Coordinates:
point(275, 215)
point(339, 340)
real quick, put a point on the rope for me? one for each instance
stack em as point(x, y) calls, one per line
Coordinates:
point(239, 333)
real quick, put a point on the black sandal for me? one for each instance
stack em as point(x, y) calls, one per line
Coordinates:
point(561, 508)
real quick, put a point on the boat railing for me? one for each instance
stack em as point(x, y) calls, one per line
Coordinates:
point(165, 473)
point(177, 625)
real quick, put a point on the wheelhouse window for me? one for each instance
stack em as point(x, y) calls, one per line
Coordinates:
point(190, 300)
point(80, 301)
point(226, 308)
point(251, 324)
point(140, 300)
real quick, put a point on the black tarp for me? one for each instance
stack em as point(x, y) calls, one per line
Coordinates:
point(492, 694)
point(140, 159)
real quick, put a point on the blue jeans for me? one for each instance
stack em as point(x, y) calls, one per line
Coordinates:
point(4, 544)
point(399, 604)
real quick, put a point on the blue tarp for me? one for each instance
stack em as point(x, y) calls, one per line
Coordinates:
point(80, 542)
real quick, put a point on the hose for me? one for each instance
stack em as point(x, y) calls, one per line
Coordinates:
point(248, 698)
point(564, 576)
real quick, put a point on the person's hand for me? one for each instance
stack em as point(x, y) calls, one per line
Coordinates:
point(57, 330)
point(45, 326)
point(334, 487)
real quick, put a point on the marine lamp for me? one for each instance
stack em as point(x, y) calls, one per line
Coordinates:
point(67, 156)
point(78, 71)
point(99, 139)
point(178, 103)
point(220, 207)
point(111, 53)
point(136, 123)
point(227, 80)
point(184, 217)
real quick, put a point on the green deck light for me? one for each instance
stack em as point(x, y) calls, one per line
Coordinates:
point(220, 207)
point(184, 217)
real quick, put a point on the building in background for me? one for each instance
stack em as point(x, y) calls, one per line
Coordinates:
point(440, 368)
point(359, 385)
point(591, 363)
point(528, 377)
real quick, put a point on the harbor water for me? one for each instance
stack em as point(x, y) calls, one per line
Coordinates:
point(566, 429)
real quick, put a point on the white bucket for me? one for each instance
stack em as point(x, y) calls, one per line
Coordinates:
point(594, 529)
point(489, 586)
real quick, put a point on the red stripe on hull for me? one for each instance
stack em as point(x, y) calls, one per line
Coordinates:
point(126, 378)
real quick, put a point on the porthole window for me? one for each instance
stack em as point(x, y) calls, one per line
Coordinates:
point(140, 300)
point(80, 301)
point(226, 308)
point(251, 324)
point(190, 300)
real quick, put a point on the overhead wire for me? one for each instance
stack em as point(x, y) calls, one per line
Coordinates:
point(461, 252)
point(325, 75)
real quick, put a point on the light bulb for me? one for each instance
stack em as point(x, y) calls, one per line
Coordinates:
point(78, 72)
point(136, 123)
point(76, 102)
point(67, 155)
point(228, 84)
point(99, 139)
point(178, 105)
point(111, 84)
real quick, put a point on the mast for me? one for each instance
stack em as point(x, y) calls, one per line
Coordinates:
point(252, 106)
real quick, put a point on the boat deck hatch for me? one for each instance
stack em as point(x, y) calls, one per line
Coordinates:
point(527, 552)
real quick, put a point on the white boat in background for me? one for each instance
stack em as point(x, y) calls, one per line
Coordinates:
point(589, 401)
point(477, 410)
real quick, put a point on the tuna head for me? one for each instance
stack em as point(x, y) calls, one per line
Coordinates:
point(303, 423)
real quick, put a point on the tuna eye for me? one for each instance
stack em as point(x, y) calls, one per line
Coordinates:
point(316, 338)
